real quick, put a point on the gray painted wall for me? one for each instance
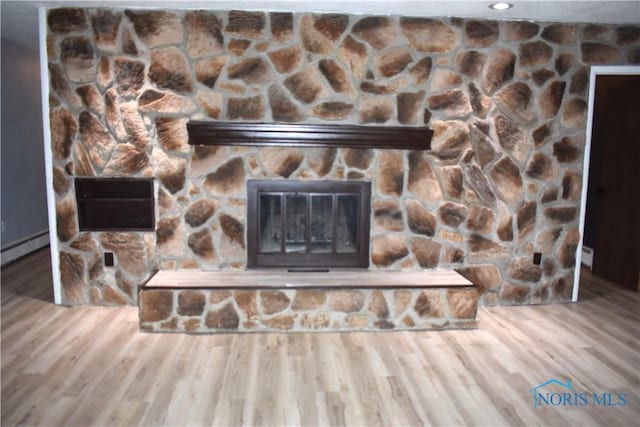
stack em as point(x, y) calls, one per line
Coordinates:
point(23, 185)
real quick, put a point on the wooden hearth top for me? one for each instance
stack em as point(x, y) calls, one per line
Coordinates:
point(281, 279)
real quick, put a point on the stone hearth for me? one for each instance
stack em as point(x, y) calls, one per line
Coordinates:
point(274, 300)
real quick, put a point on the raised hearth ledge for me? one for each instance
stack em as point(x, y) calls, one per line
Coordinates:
point(291, 135)
point(281, 279)
point(276, 301)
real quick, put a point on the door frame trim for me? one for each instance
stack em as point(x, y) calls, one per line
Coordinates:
point(596, 70)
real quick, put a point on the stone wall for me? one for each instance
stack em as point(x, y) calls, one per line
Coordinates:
point(507, 102)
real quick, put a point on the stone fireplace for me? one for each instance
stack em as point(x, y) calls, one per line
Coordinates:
point(506, 100)
point(307, 222)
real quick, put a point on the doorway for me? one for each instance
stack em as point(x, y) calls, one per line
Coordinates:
point(610, 204)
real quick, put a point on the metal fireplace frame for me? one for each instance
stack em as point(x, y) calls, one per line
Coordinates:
point(256, 259)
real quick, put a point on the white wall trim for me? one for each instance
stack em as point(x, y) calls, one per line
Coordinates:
point(595, 71)
point(48, 155)
point(25, 246)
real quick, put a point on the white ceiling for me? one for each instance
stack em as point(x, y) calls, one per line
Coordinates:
point(20, 18)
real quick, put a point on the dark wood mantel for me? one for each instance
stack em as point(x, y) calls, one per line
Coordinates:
point(296, 135)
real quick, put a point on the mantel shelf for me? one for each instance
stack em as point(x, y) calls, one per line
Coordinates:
point(295, 135)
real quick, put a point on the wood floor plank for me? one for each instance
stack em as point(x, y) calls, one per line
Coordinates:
point(91, 366)
point(209, 387)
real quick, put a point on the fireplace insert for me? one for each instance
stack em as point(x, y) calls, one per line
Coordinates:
point(308, 223)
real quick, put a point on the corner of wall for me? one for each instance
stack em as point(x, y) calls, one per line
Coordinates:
point(48, 166)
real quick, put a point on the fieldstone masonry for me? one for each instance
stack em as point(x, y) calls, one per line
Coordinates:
point(506, 100)
point(212, 310)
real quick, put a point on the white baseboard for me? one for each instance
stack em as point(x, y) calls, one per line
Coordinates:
point(587, 257)
point(28, 245)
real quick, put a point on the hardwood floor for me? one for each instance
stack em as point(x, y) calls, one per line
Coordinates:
point(91, 366)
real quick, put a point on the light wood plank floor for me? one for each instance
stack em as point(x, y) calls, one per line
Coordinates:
point(90, 366)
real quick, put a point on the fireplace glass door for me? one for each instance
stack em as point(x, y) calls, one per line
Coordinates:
point(308, 224)
point(321, 215)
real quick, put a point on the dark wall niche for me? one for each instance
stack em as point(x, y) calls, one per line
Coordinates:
point(115, 204)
